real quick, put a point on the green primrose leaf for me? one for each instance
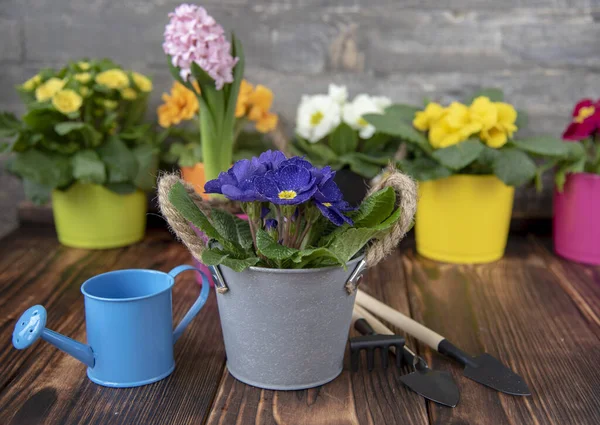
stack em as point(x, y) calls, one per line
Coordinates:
point(232, 229)
point(271, 249)
point(391, 123)
point(362, 164)
point(376, 208)
point(460, 155)
point(310, 257)
point(424, 169)
point(543, 146)
point(343, 139)
point(37, 193)
point(215, 257)
point(181, 200)
point(513, 166)
point(121, 188)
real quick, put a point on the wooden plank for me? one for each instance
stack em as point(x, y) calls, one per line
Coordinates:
point(45, 385)
point(580, 281)
point(516, 310)
point(353, 398)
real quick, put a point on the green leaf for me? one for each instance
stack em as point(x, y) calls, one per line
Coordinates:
point(514, 167)
point(10, 125)
point(424, 169)
point(495, 95)
point(346, 244)
point(362, 164)
point(37, 193)
point(147, 160)
point(404, 112)
point(460, 155)
point(120, 162)
point(51, 170)
point(544, 146)
point(376, 208)
point(271, 249)
point(215, 257)
point(317, 151)
point(376, 143)
point(391, 123)
point(181, 200)
point(88, 167)
point(232, 229)
point(307, 258)
point(121, 188)
point(343, 139)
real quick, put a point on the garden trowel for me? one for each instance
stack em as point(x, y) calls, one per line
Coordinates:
point(483, 369)
point(434, 385)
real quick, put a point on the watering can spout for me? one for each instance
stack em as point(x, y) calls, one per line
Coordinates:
point(32, 325)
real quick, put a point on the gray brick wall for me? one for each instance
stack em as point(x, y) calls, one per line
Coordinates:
point(544, 53)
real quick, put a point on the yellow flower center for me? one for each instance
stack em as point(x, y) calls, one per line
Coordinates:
point(363, 122)
point(316, 118)
point(327, 204)
point(585, 112)
point(287, 194)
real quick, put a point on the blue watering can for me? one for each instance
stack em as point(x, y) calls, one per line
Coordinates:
point(129, 326)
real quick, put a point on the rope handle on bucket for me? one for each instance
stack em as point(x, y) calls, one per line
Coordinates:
point(406, 195)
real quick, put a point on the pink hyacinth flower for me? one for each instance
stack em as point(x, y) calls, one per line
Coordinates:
point(193, 36)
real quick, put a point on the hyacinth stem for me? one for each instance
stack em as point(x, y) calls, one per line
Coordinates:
point(217, 143)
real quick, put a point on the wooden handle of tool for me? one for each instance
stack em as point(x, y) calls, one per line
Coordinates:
point(399, 320)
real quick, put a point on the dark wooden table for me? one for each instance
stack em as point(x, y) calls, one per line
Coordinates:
point(539, 314)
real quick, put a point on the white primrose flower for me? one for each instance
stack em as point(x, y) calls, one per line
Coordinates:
point(339, 94)
point(364, 104)
point(317, 116)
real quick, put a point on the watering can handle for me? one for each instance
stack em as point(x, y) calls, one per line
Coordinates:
point(197, 306)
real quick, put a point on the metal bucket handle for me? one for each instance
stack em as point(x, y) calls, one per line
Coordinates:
point(406, 196)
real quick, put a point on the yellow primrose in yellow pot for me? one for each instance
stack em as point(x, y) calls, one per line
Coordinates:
point(82, 143)
point(468, 162)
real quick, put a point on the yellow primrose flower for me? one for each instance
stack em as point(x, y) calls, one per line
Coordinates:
point(454, 126)
point(260, 101)
point(113, 78)
point(67, 101)
point(32, 83)
point(128, 93)
point(180, 105)
point(241, 107)
point(424, 119)
point(267, 122)
point(142, 82)
point(83, 77)
point(483, 111)
point(110, 104)
point(48, 89)
point(84, 66)
point(84, 91)
point(498, 134)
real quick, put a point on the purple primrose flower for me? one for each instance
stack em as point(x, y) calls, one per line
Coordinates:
point(274, 178)
point(288, 185)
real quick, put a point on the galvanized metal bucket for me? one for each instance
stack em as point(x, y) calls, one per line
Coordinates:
point(286, 329)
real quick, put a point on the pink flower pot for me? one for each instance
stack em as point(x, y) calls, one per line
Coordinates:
point(577, 219)
point(201, 266)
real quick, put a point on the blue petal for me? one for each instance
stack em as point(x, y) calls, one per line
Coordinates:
point(266, 187)
point(293, 177)
point(329, 192)
point(334, 215)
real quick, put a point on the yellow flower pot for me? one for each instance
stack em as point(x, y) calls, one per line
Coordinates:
point(93, 217)
point(463, 218)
